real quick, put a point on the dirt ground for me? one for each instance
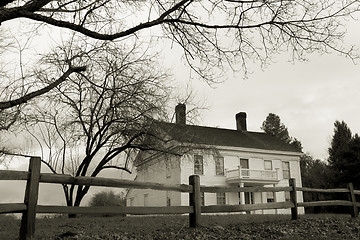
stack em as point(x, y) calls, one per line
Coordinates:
point(176, 227)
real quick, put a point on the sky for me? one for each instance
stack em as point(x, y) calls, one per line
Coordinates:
point(308, 96)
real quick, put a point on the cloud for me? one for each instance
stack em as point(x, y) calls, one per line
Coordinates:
point(308, 97)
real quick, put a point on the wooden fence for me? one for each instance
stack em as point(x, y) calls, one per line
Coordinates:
point(29, 208)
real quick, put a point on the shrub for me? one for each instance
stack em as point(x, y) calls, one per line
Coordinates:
point(107, 199)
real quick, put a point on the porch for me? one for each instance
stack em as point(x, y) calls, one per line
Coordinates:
point(252, 177)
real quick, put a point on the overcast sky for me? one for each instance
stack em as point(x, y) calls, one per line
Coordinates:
point(308, 96)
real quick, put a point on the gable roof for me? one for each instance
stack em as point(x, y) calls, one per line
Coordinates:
point(225, 137)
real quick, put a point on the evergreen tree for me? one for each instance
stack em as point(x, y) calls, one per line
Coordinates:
point(296, 143)
point(344, 155)
point(273, 126)
point(316, 174)
point(349, 166)
point(339, 143)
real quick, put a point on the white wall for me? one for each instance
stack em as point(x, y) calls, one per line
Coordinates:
point(155, 171)
point(182, 168)
point(232, 161)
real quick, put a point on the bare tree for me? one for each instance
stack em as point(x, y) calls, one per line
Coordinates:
point(21, 83)
point(212, 33)
point(99, 119)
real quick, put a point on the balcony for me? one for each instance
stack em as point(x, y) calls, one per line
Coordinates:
point(242, 175)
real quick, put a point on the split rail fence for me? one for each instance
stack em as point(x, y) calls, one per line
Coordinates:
point(30, 208)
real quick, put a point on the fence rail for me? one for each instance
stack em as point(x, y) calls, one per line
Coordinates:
point(115, 210)
point(29, 208)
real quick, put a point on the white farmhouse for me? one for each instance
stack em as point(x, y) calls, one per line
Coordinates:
point(221, 157)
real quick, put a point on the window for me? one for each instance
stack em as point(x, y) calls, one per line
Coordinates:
point(146, 199)
point(168, 171)
point(244, 165)
point(220, 199)
point(287, 197)
point(131, 202)
point(286, 170)
point(267, 165)
point(219, 165)
point(270, 197)
point(202, 196)
point(249, 198)
point(198, 165)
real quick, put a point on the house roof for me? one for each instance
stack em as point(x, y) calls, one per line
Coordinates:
point(225, 137)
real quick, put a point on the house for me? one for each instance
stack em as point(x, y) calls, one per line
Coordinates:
point(221, 157)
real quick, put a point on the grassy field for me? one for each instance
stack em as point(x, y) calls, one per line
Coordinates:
point(176, 227)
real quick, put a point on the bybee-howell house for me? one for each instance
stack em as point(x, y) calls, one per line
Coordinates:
point(221, 157)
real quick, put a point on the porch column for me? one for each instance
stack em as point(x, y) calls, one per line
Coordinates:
point(275, 199)
point(262, 201)
point(242, 194)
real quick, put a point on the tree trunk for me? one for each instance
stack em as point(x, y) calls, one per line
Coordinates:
point(79, 197)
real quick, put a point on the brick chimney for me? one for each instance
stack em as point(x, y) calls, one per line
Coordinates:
point(241, 121)
point(180, 114)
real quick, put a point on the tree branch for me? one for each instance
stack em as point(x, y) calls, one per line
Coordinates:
point(35, 5)
point(13, 13)
point(3, 3)
point(27, 97)
point(117, 167)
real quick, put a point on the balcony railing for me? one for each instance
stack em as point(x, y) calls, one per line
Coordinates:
point(250, 175)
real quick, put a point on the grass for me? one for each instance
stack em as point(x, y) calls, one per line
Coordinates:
point(9, 226)
point(239, 226)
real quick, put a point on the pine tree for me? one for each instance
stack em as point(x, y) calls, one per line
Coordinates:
point(344, 155)
point(339, 144)
point(315, 173)
point(273, 126)
point(349, 166)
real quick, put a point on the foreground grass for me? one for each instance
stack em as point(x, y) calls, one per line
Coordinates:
point(176, 227)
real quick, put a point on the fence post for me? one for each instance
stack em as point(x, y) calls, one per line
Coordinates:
point(195, 201)
point(293, 198)
point(27, 228)
point(354, 210)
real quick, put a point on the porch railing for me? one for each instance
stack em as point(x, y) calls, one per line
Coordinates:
point(242, 173)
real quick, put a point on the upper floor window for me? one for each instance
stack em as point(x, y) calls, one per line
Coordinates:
point(286, 170)
point(244, 165)
point(219, 165)
point(198, 164)
point(267, 164)
point(202, 196)
point(220, 199)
